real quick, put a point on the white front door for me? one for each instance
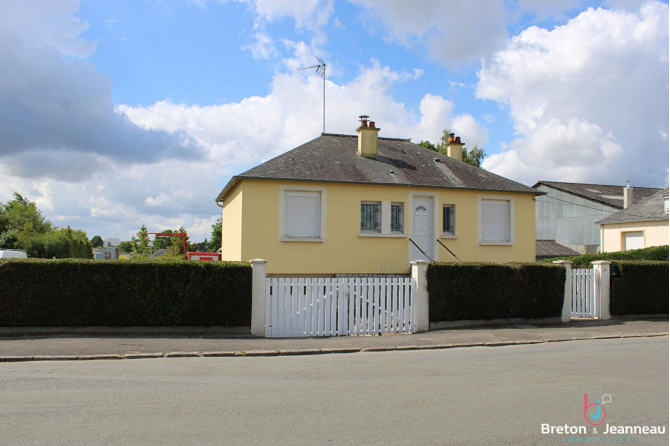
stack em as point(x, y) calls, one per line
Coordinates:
point(423, 228)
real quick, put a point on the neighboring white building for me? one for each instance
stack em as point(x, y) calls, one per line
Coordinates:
point(569, 212)
point(109, 250)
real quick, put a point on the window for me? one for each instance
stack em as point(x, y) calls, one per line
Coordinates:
point(397, 217)
point(371, 217)
point(302, 214)
point(495, 221)
point(449, 219)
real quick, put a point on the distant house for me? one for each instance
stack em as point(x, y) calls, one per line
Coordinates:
point(640, 225)
point(343, 204)
point(568, 212)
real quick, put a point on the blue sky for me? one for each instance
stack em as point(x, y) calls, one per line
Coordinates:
point(118, 114)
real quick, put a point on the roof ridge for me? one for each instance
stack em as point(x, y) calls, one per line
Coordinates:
point(596, 184)
point(356, 136)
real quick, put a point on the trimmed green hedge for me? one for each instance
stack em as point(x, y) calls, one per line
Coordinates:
point(652, 253)
point(74, 293)
point(641, 289)
point(467, 291)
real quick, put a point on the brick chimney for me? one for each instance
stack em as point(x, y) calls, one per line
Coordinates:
point(454, 147)
point(367, 138)
point(627, 195)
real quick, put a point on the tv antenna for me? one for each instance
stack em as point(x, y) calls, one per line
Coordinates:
point(321, 71)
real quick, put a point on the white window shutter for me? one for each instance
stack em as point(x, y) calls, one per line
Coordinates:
point(302, 214)
point(495, 220)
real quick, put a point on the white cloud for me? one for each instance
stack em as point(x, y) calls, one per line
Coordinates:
point(455, 32)
point(58, 118)
point(52, 23)
point(263, 47)
point(591, 93)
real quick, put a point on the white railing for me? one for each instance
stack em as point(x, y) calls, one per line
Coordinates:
point(584, 293)
point(347, 306)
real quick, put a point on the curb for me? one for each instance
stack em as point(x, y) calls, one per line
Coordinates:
point(314, 351)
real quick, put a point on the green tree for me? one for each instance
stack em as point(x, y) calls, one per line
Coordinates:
point(215, 243)
point(428, 145)
point(22, 226)
point(177, 245)
point(474, 157)
point(125, 247)
point(141, 242)
point(163, 242)
point(96, 241)
point(19, 216)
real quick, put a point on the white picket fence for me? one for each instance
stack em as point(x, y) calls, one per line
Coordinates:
point(584, 293)
point(344, 306)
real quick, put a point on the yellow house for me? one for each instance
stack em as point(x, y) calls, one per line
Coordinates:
point(343, 204)
point(640, 225)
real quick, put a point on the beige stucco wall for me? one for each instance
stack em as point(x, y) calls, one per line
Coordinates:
point(343, 249)
point(612, 234)
point(231, 226)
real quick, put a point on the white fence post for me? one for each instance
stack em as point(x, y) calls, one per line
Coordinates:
point(567, 292)
point(602, 268)
point(420, 297)
point(258, 297)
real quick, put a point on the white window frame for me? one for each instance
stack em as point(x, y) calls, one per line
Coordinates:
point(446, 234)
point(282, 213)
point(510, 219)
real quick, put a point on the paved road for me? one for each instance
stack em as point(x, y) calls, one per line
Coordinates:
point(479, 395)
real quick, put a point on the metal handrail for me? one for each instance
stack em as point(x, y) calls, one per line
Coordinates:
point(450, 251)
point(422, 252)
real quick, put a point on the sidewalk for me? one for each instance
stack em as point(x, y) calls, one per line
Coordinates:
point(203, 343)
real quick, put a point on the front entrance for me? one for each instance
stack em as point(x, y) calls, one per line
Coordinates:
point(423, 228)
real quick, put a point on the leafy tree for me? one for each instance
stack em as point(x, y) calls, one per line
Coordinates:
point(125, 247)
point(21, 215)
point(141, 242)
point(96, 241)
point(474, 157)
point(428, 145)
point(22, 226)
point(215, 244)
point(177, 245)
point(163, 242)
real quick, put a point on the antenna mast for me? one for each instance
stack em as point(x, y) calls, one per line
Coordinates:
point(321, 71)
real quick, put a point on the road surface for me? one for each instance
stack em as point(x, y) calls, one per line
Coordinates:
point(478, 395)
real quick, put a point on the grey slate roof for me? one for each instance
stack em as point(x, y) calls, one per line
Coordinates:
point(651, 208)
point(545, 249)
point(334, 158)
point(600, 193)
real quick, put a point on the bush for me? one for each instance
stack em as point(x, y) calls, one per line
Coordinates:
point(73, 293)
point(652, 253)
point(641, 289)
point(467, 291)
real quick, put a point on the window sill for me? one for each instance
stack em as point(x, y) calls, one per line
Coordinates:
point(379, 234)
point(495, 243)
point(302, 239)
point(447, 235)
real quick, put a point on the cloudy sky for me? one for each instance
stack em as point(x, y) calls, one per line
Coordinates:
point(115, 114)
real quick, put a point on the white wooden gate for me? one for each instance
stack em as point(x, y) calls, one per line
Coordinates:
point(584, 293)
point(338, 306)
